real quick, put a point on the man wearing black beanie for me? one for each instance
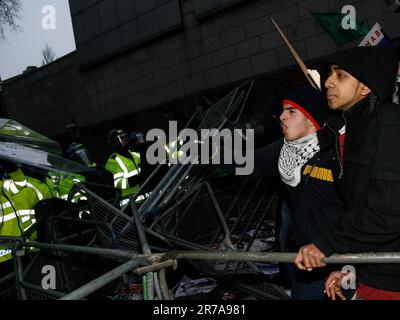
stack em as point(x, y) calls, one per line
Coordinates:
point(360, 84)
point(306, 173)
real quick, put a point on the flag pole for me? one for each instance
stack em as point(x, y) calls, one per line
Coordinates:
point(296, 57)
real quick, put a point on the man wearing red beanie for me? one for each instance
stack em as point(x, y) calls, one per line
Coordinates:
point(306, 173)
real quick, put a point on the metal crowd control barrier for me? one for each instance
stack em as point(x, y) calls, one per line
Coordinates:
point(119, 229)
point(116, 228)
point(143, 263)
point(223, 114)
point(281, 257)
point(150, 279)
point(232, 218)
point(216, 221)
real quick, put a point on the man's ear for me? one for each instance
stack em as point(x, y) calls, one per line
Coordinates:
point(365, 90)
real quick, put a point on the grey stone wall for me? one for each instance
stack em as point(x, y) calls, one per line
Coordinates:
point(230, 46)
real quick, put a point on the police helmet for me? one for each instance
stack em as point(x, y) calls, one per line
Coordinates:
point(118, 138)
point(77, 152)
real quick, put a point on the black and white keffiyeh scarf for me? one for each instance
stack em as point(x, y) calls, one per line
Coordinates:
point(294, 154)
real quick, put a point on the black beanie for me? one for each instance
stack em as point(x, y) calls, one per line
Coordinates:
point(376, 67)
point(310, 102)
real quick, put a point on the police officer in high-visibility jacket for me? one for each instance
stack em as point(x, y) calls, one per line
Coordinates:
point(124, 164)
point(61, 184)
point(98, 179)
point(77, 152)
point(19, 195)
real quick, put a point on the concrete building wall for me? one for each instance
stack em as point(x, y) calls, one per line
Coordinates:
point(218, 50)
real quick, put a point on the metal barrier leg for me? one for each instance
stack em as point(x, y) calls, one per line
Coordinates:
point(150, 277)
point(164, 285)
point(21, 293)
point(98, 283)
point(7, 277)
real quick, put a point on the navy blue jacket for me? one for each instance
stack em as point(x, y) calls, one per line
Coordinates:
point(314, 200)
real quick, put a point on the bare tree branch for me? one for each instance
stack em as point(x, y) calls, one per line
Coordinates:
point(9, 14)
point(48, 55)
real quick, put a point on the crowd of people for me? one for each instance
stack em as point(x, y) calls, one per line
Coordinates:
point(338, 159)
point(361, 87)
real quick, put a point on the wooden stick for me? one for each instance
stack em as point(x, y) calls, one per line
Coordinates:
point(296, 56)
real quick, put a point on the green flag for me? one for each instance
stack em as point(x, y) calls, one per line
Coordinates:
point(332, 24)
